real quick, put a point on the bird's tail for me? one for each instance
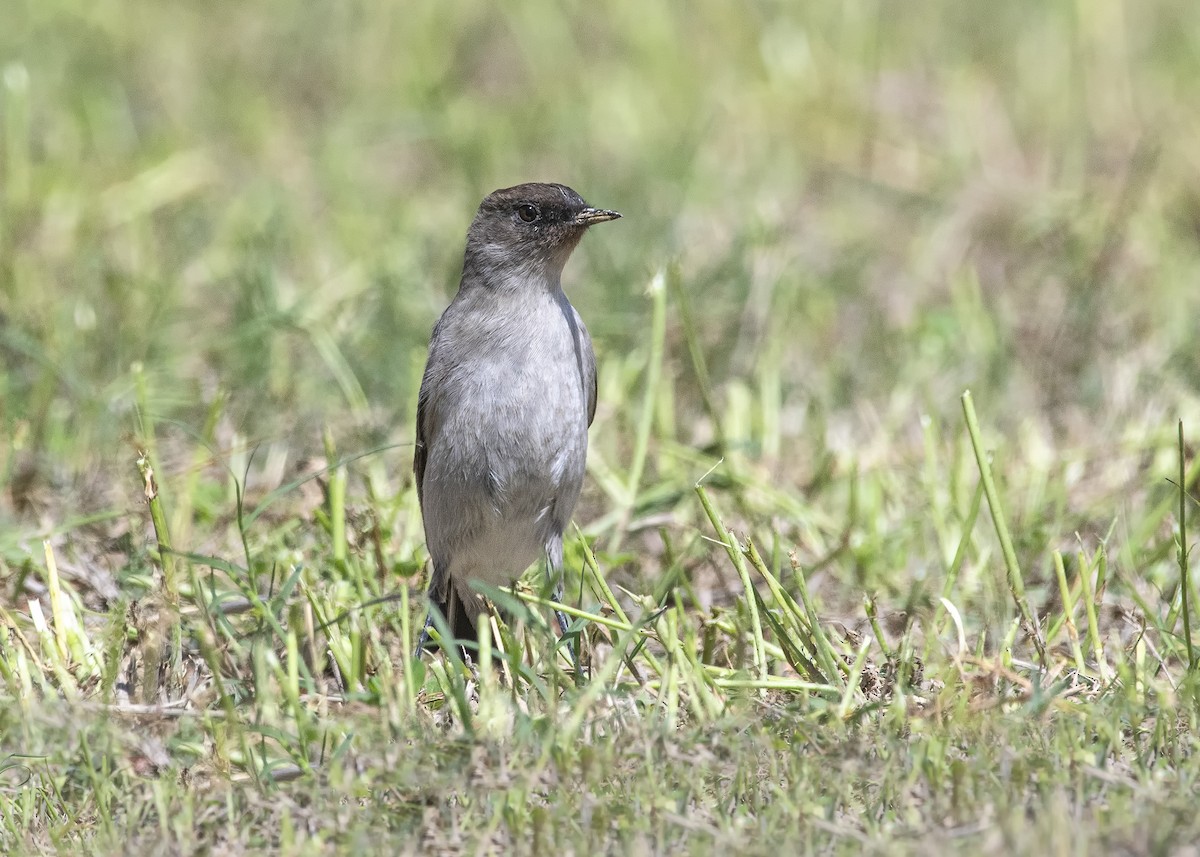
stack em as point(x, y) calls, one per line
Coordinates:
point(458, 617)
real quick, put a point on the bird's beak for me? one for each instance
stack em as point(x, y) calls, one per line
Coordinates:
point(594, 215)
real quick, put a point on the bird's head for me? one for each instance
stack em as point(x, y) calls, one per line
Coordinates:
point(529, 230)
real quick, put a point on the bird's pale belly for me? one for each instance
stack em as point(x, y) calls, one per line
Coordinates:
point(505, 472)
point(503, 515)
point(499, 553)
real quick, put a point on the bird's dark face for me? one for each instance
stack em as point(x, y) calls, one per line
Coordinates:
point(533, 227)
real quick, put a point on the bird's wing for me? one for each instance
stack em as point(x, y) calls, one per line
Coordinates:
point(589, 366)
point(419, 454)
point(425, 413)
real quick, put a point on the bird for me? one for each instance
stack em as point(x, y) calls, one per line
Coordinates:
point(505, 404)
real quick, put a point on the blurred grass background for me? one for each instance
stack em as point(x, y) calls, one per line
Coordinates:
point(226, 229)
point(268, 202)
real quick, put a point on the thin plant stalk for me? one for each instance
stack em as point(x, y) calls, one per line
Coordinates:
point(729, 542)
point(1185, 580)
point(1015, 581)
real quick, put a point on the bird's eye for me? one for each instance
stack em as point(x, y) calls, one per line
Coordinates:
point(528, 213)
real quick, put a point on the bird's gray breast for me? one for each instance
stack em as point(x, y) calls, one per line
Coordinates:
point(508, 445)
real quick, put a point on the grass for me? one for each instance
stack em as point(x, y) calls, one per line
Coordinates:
point(825, 600)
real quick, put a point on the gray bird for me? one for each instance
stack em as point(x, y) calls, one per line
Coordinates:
point(506, 401)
